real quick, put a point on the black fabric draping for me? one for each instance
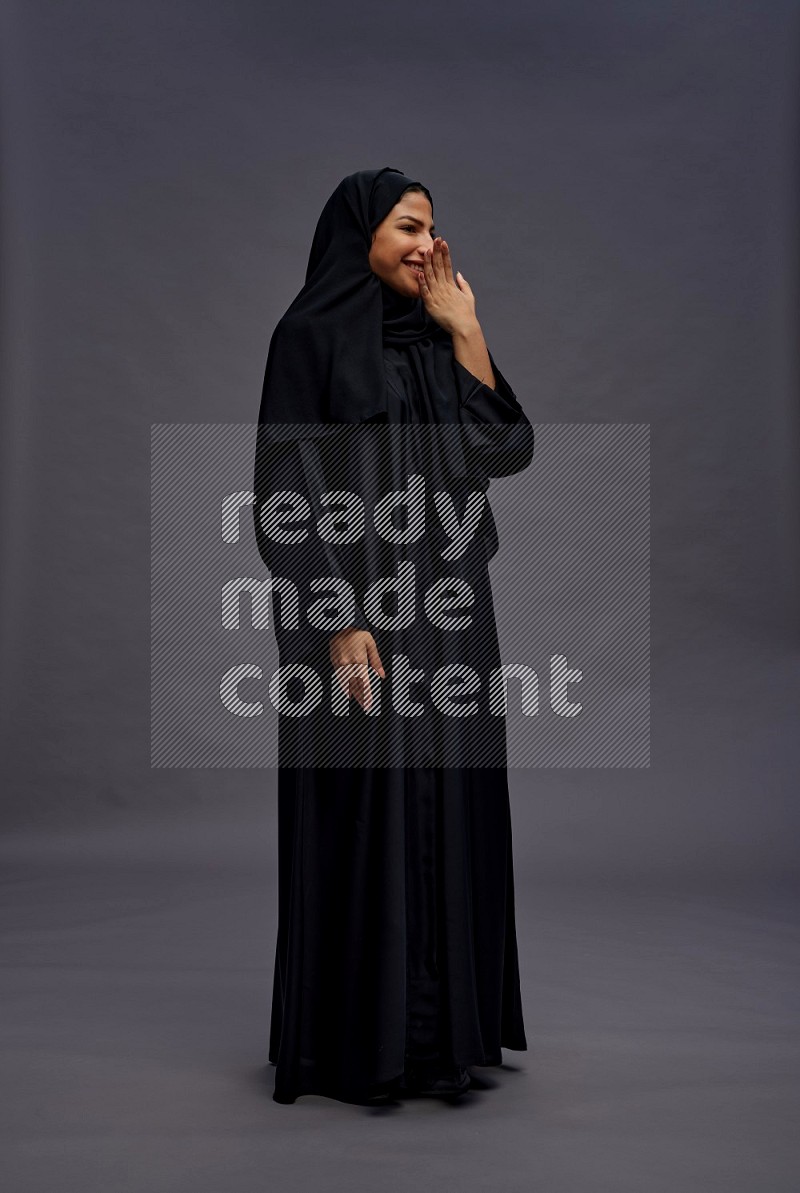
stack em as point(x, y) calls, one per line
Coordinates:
point(325, 375)
point(324, 364)
point(428, 430)
point(396, 932)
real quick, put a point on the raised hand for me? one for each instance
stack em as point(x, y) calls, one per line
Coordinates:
point(448, 299)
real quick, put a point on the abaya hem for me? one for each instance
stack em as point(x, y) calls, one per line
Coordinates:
point(361, 1096)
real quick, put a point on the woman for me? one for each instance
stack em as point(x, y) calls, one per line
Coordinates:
point(396, 962)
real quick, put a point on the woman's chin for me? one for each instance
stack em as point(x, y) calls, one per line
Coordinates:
point(407, 286)
point(410, 288)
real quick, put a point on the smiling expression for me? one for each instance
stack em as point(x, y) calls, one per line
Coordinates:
point(399, 243)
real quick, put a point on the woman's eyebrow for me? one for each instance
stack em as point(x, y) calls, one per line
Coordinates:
point(415, 220)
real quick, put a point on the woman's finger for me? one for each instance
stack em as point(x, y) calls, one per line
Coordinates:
point(427, 269)
point(426, 282)
point(361, 690)
point(358, 685)
point(438, 262)
point(343, 680)
point(447, 262)
point(374, 659)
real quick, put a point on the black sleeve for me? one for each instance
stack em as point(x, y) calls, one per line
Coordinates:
point(496, 433)
point(295, 465)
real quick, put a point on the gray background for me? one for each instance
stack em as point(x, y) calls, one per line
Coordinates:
point(618, 183)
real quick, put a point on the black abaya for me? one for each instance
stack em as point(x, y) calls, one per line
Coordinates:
point(396, 934)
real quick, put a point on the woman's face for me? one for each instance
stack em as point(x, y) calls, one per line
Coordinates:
point(400, 241)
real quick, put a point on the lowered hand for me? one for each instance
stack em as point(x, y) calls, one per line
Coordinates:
point(350, 651)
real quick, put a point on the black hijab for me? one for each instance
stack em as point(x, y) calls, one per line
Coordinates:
point(325, 361)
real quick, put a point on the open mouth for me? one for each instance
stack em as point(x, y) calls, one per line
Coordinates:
point(416, 267)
